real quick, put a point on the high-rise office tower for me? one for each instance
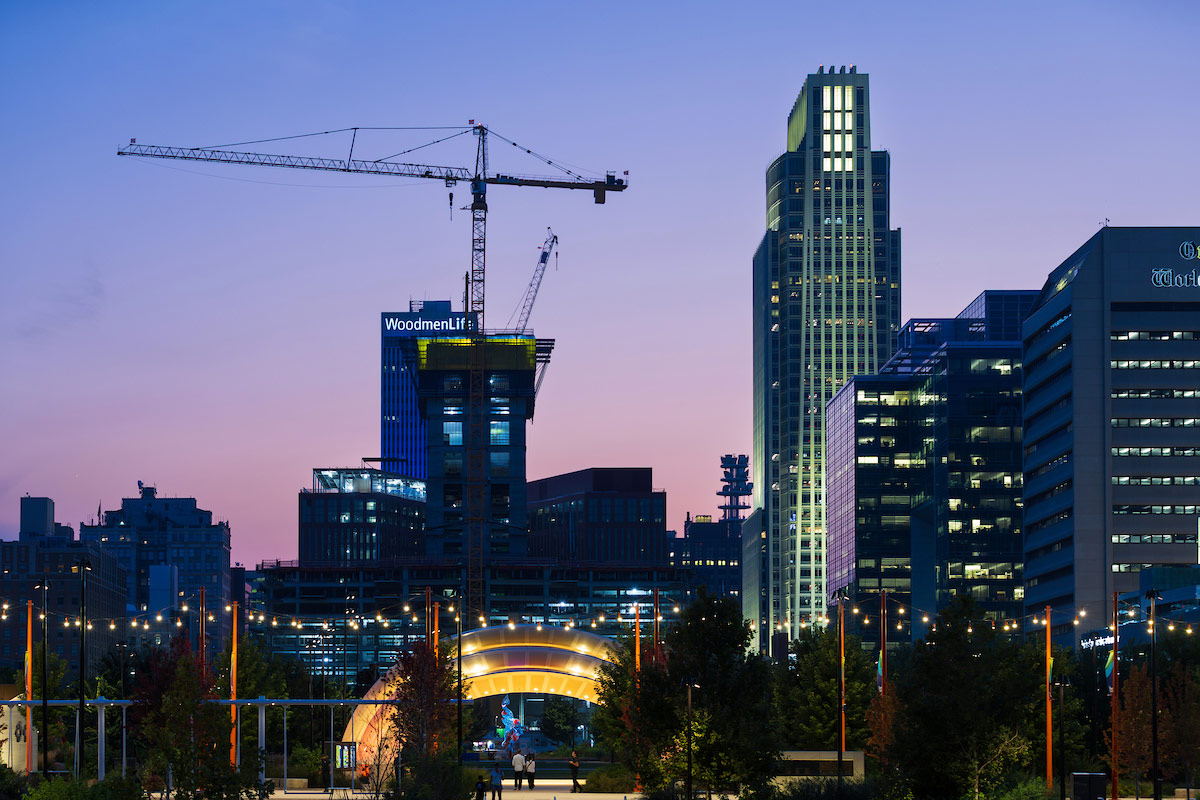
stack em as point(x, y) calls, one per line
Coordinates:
point(1112, 423)
point(826, 307)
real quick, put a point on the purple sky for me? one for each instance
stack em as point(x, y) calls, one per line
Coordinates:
point(214, 330)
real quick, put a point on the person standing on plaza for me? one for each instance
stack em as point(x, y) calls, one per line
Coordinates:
point(530, 768)
point(518, 763)
point(574, 765)
point(497, 780)
point(480, 788)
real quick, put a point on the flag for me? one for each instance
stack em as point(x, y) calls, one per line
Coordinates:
point(1108, 670)
point(879, 672)
point(1050, 678)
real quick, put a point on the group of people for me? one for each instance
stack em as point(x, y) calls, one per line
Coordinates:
point(524, 770)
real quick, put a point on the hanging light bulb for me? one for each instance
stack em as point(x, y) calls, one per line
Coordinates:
point(158, 617)
point(112, 626)
point(184, 608)
point(924, 618)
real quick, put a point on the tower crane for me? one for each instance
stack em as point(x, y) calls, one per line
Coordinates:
point(535, 282)
point(479, 178)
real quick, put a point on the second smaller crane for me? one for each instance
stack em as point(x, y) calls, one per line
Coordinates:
point(535, 282)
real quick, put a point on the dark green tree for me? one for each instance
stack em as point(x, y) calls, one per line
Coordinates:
point(967, 700)
point(806, 692)
point(560, 720)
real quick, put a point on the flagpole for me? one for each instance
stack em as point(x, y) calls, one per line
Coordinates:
point(1116, 707)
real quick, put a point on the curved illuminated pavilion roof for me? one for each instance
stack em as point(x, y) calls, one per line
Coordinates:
point(501, 659)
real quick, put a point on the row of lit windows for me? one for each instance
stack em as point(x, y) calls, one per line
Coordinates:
point(837, 98)
point(838, 121)
point(838, 142)
point(1155, 422)
point(1153, 336)
point(1155, 364)
point(1126, 508)
point(837, 164)
point(1156, 451)
point(1156, 480)
point(1154, 394)
point(1154, 538)
point(452, 433)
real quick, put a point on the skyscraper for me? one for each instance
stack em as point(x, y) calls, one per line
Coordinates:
point(826, 307)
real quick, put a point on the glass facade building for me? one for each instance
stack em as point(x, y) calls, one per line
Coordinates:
point(826, 307)
point(924, 464)
point(401, 428)
point(355, 515)
point(1112, 421)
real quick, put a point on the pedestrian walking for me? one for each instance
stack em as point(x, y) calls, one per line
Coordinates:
point(574, 765)
point(497, 780)
point(518, 768)
point(530, 768)
point(480, 788)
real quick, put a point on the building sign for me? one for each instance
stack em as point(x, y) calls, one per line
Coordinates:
point(1168, 277)
point(400, 324)
point(1096, 641)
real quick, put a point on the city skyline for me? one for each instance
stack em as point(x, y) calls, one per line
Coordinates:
point(213, 330)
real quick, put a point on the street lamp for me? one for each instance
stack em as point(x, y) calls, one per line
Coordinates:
point(45, 586)
point(1153, 596)
point(1061, 683)
point(83, 567)
point(690, 686)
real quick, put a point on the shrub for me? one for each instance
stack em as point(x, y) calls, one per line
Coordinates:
point(1027, 789)
point(826, 789)
point(610, 778)
point(12, 784)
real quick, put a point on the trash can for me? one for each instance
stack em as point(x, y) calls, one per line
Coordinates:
point(1089, 785)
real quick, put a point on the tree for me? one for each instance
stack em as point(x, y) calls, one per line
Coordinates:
point(1133, 725)
point(966, 697)
point(187, 735)
point(1181, 722)
point(425, 683)
point(806, 692)
point(641, 714)
point(560, 720)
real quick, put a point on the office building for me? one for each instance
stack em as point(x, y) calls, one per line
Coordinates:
point(402, 429)
point(924, 468)
point(711, 550)
point(826, 307)
point(56, 558)
point(361, 515)
point(1112, 421)
point(512, 363)
point(601, 514)
point(148, 531)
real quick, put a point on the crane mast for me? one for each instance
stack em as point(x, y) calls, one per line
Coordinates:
point(477, 438)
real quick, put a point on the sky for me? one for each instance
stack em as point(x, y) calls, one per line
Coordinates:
point(214, 330)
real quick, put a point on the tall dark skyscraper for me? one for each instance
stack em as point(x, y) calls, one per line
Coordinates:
point(826, 307)
point(401, 428)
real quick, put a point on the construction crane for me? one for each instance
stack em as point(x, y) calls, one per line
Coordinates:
point(480, 177)
point(535, 283)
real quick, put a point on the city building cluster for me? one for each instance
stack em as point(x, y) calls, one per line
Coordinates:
point(1037, 451)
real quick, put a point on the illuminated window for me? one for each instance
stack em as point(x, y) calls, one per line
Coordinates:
point(849, 98)
point(825, 117)
point(850, 164)
point(827, 142)
point(837, 164)
point(849, 121)
point(452, 434)
point(849, 142)
point(826, 96)
point(499, 430)
point(827, 164)
point(837, 99)
point(837, 142)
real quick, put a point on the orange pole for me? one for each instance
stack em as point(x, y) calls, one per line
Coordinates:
point(657, 616)
point(842, 674)
point(29, 686)
point(1049, 725)
point(233, 659)
point(437, 608)
point(637, 637)
point(883, 641)
point(1116, 707)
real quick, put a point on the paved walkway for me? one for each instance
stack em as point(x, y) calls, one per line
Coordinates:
point(547, 789)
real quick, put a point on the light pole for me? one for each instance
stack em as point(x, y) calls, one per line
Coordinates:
point(84, 566)
point(458, 616)
point(688, 785)
point(45, 586)
point(1062, 753)
point(1153, 597)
